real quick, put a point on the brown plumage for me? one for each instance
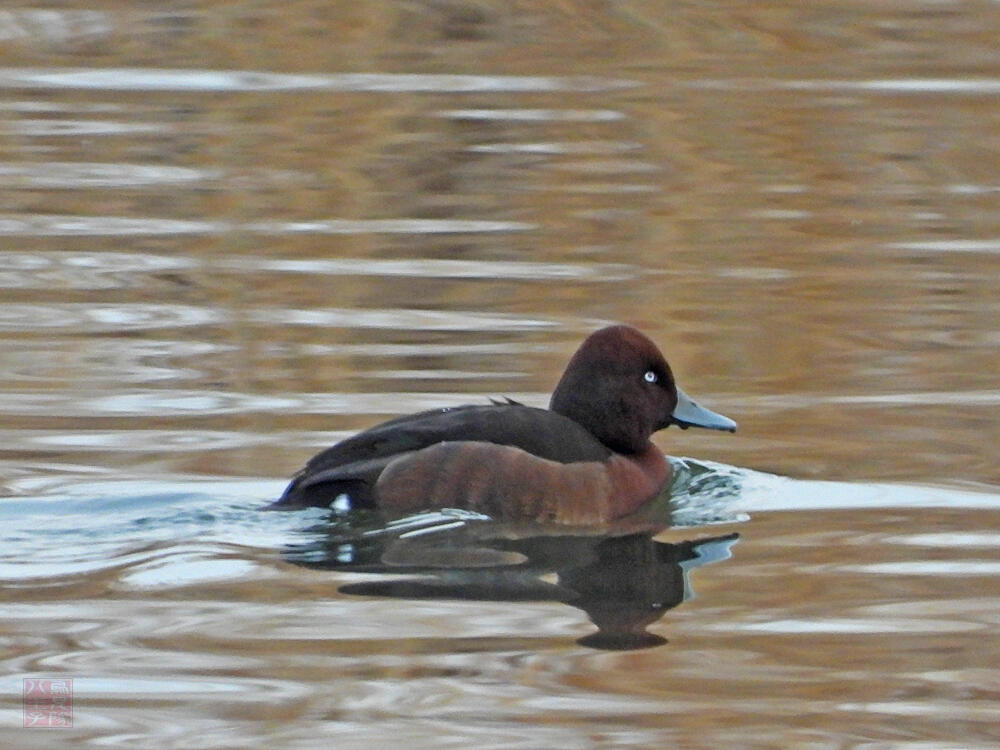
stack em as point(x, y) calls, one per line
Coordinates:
point(587, 459)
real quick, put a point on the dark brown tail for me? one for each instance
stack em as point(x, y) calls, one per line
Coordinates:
point(304, 493)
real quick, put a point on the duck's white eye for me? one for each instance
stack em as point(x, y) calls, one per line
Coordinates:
point(650, 376)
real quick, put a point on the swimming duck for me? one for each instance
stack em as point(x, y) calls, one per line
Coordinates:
point(585, 460)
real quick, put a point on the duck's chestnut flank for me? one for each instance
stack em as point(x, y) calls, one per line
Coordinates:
point(586, 459)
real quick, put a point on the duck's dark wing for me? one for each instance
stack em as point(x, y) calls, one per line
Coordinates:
point(352, 466)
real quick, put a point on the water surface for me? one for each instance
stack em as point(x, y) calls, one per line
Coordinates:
point(231, 236)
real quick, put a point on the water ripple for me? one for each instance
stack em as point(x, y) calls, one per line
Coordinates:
point(781, 402)
point(130, 262)
point(433, 268)
point(755, 492)
point(405, 319)
point(987, 86)
point(82, 317)
point(61, 225)
point(534, 115)
point(610, 167)
point(52, 25)
point(161, 441)
point(964, 539)
point(70, 270)
point(949, 246)
point(110, 360)
point(77, 175)
point(107, 270)
point(966, 86)
point(442, 349)
point(386, 226)
point(178, 402)
point(557, 147)
point(168, 79)
point(58, 225)
point(76, 128)
point(94, 318)
point(853, 626)
point(951, 568)
point(186, 565)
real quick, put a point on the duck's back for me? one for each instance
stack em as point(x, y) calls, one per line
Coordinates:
point(354, 465)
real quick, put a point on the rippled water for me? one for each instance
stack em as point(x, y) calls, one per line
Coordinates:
point(230, 236)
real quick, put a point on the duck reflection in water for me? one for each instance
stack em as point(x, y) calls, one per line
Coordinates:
point(623, 582)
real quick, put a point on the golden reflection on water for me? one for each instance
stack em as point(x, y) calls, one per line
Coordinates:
point(233, 235)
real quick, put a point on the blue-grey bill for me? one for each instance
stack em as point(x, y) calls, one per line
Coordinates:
point(689, 414)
